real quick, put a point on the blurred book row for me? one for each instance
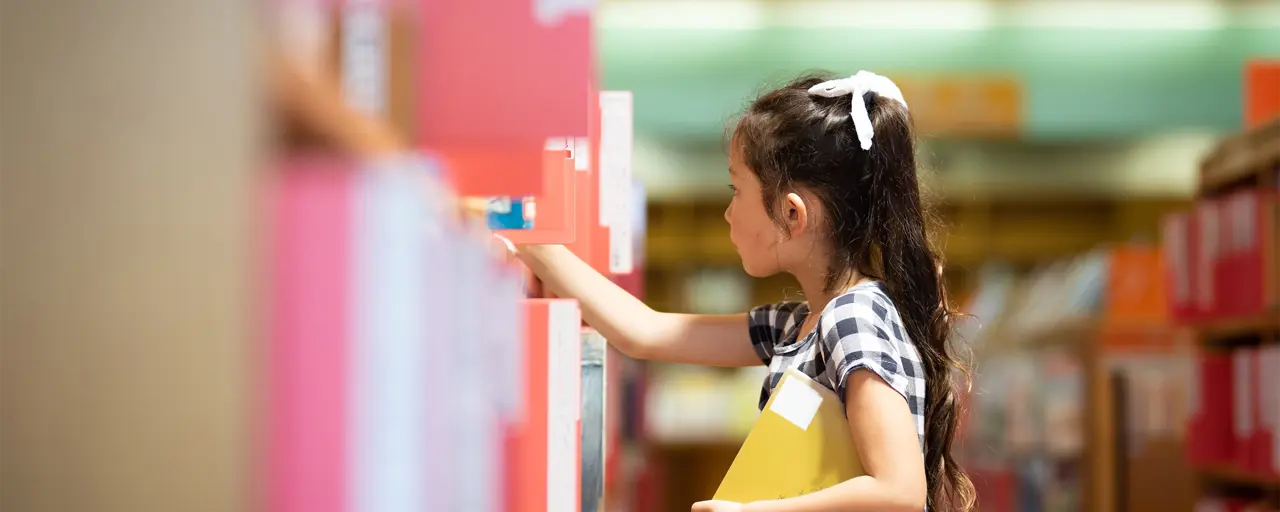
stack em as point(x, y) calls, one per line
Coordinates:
point(408, 368)
point(396, 343)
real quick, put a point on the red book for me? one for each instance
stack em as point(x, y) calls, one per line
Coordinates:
point(592, 243)
point(1233, 245)
point(555, 219)
point(1244, 256)
point(501, 75)
point(1244, 405)
point(1210, 435)
point(1266, 444)
point(1208, 227)
point(1176, 250)
point(544, 472)
point(600, 249)
point(510, 170)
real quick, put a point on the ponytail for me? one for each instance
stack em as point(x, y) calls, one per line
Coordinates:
point(912, 271)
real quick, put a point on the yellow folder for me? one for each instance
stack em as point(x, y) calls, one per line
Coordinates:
point(798, 445)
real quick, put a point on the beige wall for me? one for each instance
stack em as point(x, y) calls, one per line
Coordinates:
point(127, 146)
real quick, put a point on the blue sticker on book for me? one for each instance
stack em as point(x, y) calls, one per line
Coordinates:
point(510, 213)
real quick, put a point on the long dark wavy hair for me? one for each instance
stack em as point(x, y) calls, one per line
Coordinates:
point(877, 225)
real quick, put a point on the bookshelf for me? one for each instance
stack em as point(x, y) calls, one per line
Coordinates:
point(1233, 443)
point(547, 438)
point(1249, 157)
point(1079, 374)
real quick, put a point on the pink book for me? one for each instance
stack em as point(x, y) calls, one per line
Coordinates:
point(488, 104)
point(526, 80)
point(309, 230)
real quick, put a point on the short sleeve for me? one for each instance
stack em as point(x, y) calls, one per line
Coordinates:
point(767, 324)
point(858, 334)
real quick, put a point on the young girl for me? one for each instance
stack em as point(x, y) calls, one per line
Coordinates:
point(825, 189)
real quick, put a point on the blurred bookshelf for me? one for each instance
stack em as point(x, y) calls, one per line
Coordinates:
point(688, 237)
point(1227, 270)
point(1226, 248)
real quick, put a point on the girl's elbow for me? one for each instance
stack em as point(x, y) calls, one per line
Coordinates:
point(635, 348)
point(909, 498)
point(636, 351)
point(913, 501)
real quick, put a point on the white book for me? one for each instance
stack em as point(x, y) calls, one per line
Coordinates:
point(389, 357)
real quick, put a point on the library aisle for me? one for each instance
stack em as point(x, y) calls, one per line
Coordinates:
point(247, 259)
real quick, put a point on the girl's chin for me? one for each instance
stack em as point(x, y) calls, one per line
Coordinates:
point(758, 271)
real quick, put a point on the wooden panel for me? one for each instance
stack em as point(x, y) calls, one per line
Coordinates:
point(130, 153)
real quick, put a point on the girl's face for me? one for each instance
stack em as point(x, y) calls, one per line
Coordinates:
point(755, 236)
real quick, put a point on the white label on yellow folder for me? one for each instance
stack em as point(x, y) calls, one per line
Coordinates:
point(796, 403)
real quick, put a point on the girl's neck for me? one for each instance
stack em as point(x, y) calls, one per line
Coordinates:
point(815, 292)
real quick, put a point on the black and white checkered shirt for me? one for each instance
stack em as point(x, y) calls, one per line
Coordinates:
point(860, 329)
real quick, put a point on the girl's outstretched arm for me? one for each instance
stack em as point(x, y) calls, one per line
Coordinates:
point(633, 327)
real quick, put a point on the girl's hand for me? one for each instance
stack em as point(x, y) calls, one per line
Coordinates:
point(502, 248)
point(717, 506)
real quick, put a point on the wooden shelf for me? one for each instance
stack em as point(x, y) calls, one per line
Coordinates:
point(692, 233)
point(1232, 476)
point(1216, 332)
point(1241, 159)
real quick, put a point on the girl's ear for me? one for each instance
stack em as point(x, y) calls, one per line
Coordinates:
point(795, 213)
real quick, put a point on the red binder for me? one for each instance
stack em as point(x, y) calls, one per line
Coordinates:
point(1244, 405)
point(514, 169)
point(600, 233)
point(1176, 250)
point(1265, 447)
point(544, 473)
point(501, 75)
point(1249, 225)
point(555, 220)
point(592, 244)
point(1210, 436)
point(1208, 247)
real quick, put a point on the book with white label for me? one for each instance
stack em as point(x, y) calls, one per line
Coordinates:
point(564, 406)
point(799, 444)
point(545, 467)
point(616, 149)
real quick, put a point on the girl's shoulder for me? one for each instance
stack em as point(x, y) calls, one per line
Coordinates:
point(866, 303)
point(778, 316)
point(863, 323)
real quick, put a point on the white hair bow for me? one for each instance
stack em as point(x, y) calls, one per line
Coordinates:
point(859, 85)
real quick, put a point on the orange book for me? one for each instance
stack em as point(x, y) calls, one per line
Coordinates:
point(1262, 92)
point(512, 170)
point(591, 241)
point(555, 219)
point(544, 449)
point(1136, 288)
